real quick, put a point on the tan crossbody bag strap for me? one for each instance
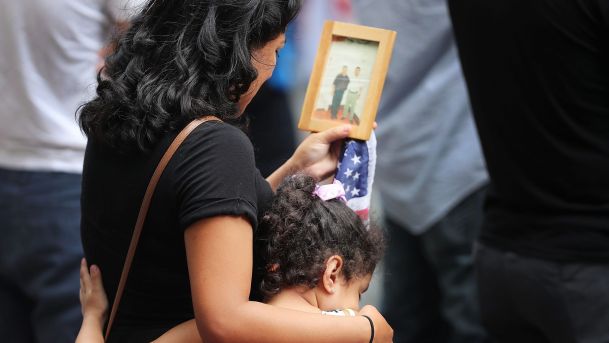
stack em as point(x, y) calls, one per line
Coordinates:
point(141, 217)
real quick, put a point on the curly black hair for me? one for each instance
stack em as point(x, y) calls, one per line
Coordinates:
point(299, 232)
point(179, 60)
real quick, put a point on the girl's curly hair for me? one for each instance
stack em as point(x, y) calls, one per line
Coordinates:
point(299, 232)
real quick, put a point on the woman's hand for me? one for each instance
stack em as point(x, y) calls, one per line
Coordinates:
point(318, 154)
point(383, 333)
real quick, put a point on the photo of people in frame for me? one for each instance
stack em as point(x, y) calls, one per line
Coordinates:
point(345, 80)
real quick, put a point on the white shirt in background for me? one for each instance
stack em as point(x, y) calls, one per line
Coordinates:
point(49, 52)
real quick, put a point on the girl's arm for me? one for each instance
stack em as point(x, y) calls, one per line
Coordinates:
point(94, 305)
point(219, 255)
point(317, 155)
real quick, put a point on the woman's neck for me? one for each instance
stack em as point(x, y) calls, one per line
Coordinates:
point(296, 298)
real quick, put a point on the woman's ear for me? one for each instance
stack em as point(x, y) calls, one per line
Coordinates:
point(334, 266)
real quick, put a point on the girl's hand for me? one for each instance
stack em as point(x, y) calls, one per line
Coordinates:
point(93, 299)
point(318, 154)
point(383, 333)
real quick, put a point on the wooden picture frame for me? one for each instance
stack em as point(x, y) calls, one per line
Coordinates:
point(347, 78)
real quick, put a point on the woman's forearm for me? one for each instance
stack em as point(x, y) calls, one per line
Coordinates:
point(249, 321)
point(257, 322)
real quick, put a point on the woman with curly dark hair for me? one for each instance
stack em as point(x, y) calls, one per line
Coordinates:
point(181, 60)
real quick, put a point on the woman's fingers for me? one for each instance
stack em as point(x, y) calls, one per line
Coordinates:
point(334, 134)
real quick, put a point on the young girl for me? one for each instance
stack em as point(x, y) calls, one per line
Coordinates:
point(315, 255)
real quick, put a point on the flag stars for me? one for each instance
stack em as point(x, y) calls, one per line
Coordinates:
point(352, 171)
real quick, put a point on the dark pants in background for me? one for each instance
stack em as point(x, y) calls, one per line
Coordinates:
point(40, 251)
point(430, 292)
point(529, 300)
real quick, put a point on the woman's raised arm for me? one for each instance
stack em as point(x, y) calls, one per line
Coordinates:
point(219, 254)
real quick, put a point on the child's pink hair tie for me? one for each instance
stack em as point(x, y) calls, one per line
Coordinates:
point(331, 191)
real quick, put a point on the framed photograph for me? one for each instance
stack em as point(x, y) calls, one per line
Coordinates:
point(347, 78)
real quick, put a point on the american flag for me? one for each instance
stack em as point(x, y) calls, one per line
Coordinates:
point(356, 173)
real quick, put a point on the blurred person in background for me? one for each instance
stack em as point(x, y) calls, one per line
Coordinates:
point(50, 50)
point(430, 174)
point(538, 79)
